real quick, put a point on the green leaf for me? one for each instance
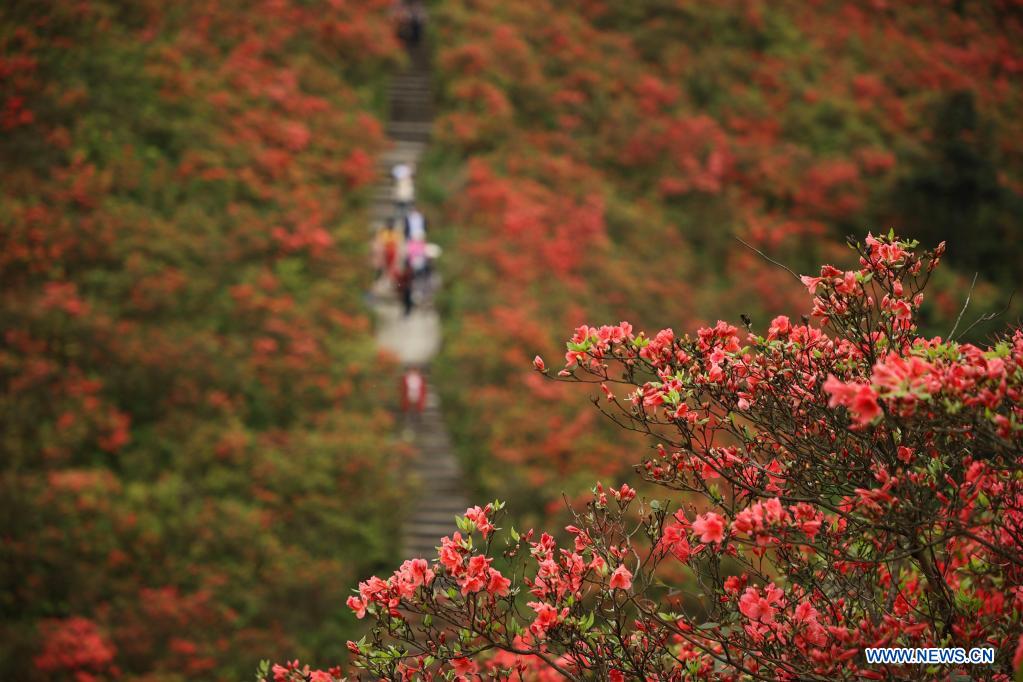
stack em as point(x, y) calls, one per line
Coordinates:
point(587, 622)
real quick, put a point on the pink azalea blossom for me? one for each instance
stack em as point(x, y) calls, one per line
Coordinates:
point(621, 579)
point(710, 527)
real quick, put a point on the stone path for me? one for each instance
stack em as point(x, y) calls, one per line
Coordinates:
point(416, 339)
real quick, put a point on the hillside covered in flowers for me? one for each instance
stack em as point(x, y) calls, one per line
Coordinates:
point(198, 467)
point(185, 358)
point(597, 161)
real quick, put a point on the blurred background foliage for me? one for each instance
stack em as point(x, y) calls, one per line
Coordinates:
point(197, 464)
point(196, 461)
point(597, 160)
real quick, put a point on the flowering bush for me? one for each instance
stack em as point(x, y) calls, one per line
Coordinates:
point(838, 486)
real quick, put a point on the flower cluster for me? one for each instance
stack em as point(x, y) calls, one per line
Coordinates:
point(456, 560)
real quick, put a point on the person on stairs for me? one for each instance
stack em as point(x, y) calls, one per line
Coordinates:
point(415, 225)
point(404, 191)
point(413, 395)
point(389, 245)
point(405, 284)
point(413, 390)
point(417, 22)
point(415, 251)
point(410, 17)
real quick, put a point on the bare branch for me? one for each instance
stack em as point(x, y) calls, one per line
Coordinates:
point(966, 305)
point(987, 317)
point(768, 258)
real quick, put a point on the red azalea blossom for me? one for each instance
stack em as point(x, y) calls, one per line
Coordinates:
point(710, 527)
point(621, 579)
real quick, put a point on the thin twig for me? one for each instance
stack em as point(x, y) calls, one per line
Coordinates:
point(966, 304)
point(768, 258)
point(987, 317)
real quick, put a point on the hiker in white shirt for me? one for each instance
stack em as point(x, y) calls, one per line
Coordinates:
point(415, 226)
point(404, 187)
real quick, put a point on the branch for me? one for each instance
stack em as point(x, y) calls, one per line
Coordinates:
point(987, 317)
point(768, 258)
point(966, 305)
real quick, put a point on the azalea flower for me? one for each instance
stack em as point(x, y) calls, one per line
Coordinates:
point(710, 527)
point(621, 579)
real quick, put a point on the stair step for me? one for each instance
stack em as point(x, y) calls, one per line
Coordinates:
point(385, 164)
point(403, 148)
point(408, 106)
point(434, 448)
point(411, 83)
point(439, 458)
point(437, 518)
point(447, 476)
point(422, 104)
point(410, 90)
point(410, 113)
point(435, 504)
point(445, 489)
point(419, 93)
point(428, 529)
point(446, 486)
point(447, 505)
point(442, 461)
point(433, 439)
point(406, 101)
point(435, 457)
point(414, 130)
point(442, 496)
point(434, 442)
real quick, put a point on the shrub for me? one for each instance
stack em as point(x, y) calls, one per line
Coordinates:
point(832, 487)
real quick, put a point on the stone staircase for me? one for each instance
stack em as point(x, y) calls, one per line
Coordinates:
point(435, 473)
point(439, 481)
